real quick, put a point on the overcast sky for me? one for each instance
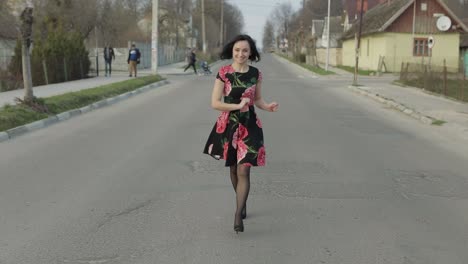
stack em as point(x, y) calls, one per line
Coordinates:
point(256, 12)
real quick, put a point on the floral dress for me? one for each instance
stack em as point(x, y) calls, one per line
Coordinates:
point(237, 136)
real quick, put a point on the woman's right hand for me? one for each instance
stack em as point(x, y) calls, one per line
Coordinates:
point(243, 102)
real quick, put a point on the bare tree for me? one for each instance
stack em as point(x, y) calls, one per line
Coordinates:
point(268, 34)
point(233, 21)
point(282, 15)
point(71, 15)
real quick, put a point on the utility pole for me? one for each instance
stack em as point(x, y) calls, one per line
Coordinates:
point(203, 25)
point(154, 38)
point(328, 37)
point(26, 34)
point(358, 45)
point(221, 27)
point(96, 52)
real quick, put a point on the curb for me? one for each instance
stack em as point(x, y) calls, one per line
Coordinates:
point(18, 131)
point(428, 120)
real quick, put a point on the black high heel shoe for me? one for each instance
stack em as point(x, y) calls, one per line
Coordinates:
point(239, 228)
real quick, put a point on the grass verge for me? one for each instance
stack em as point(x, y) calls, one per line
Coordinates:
point(12, 116)
point(360, 72)
point(311, 68)
point(438, 122)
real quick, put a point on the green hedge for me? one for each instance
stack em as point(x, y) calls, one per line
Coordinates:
point(63, 54)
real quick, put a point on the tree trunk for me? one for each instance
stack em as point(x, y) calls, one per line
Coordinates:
point(27, 79)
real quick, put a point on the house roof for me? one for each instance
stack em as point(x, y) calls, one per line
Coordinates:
point(379, 18)
point(317, 26)
point(336, 25)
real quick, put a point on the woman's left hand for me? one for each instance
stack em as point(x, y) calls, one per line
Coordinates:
point(273, 106)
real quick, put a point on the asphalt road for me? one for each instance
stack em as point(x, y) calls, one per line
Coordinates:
point(347, 181)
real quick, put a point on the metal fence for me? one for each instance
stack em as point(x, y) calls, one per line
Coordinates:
point(7, 81)
point(166, 55)
point(451, 82)
point(45, 72)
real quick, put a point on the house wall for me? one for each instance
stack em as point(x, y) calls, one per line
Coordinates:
point(335, 58)
point(398, 48)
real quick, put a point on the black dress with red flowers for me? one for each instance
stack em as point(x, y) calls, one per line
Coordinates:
point(237, 136)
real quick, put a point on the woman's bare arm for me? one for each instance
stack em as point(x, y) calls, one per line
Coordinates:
point(216, 99)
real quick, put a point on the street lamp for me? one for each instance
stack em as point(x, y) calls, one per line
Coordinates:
point(154, 38)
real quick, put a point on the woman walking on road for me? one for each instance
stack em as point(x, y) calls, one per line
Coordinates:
point(237, 136)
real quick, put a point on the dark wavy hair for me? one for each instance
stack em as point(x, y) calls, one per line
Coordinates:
point(227, 49)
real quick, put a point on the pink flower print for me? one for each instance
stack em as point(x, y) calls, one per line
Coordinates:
point(259, 123)
point(250, 93)
point(225, 150)
point(243, 132)
point(222, 122)
point(210, 148)
point(225, 70)
point(227, 88)
point(241, 150)
point(261, 157)
point(235, 137)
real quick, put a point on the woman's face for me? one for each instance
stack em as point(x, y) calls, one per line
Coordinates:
point(241, 51)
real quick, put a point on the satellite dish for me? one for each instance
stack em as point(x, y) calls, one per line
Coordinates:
point(444, 23)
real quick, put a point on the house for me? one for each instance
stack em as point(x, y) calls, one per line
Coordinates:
point(403, 31)
point(336, 33)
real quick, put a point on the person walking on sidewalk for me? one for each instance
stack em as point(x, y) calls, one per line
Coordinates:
point(237, 136)
point(108, 57)
point(133, 60)
point(191, 61)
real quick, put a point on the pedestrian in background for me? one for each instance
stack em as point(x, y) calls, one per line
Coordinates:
point(191, 61)
point(133, 60)
point(108, 57)
point(237, 136)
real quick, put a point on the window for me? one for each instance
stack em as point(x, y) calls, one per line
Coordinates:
point(423, 6)
point(420, 47)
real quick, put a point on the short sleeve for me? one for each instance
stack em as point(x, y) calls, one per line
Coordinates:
point(218, 76)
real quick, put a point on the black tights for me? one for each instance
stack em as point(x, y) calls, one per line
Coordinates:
point(240, 178)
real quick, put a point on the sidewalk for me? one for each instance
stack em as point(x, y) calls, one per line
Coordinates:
point(415, 102)
point(73, 86)
point(423, 106)
point(419, 104)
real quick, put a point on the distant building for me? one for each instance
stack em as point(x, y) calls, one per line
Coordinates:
point(401, 31)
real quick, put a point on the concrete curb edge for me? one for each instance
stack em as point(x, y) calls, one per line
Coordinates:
point(428, 120)
point(20, 130)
